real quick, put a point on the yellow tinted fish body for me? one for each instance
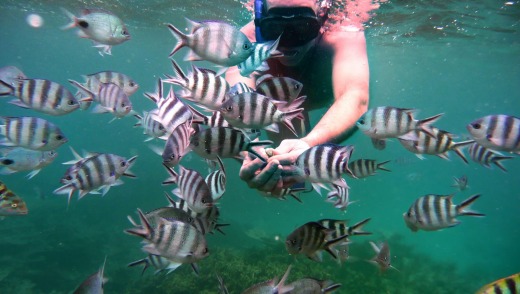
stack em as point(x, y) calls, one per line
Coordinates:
point(506, 285)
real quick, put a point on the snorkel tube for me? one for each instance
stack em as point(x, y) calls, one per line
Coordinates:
point(259, 5)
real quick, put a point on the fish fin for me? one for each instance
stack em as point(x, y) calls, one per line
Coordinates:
point(410, 136)
point(356, 229)
point(143, 261)
point(195, 268)
point(6, 171)
point(316, 256)
point(263, 66)
point(273, 128)
point(66, 189)
point(424, 124)
point(463, 208)
point(177, 192)
point(280, 287)
point(444, 155)
point(19, 103)
point(101, 109)
point(180, 79)
point(87, 92)
point(380, 166)
point(192, 56)
point(72, 18)
point(497, 161)
point(145, 230)
point(331, 288)
point(375, 247)
point(173, 176)
point(4, 141)
point(32, 173)
point(150, 248)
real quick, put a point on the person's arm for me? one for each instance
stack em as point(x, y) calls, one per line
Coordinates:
point(350, 79)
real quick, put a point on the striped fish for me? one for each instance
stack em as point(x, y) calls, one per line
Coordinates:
point(214, 41)
point(498, 132)
point(339, 196)
point(340, 227)
point(43, 95)
point(508, 285)
point(216, 181)
point(204, 222)
point(222, 142)
point(313, 286)
point(10, 203)
point(324, 164)
point(177, 241)
point(31, 133)
point(177, 144)
point(461, 183)
point(435, 212)
point(203, 86)
point(439, 144)
point(170, 111)
point(391, 122)
point(293, 191)
point(362, 168)
point(486, 156)
point(94, 81)
point(278, 88)
point(257, 61)
point(310, 239)
point(94, 172)
point(151, 127)
point(191, 187)
point(20, 159)
point(94, 284)
point(255, 111)
point(111, 98)
point(383, 257)
point(238, 88)
point(271, 286)
point(158, 262)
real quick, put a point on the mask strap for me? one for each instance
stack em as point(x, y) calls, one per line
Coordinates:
point(259, 9)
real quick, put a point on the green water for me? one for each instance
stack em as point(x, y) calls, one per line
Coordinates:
point(467, 69)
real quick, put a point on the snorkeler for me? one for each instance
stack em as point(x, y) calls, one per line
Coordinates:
point(333, 67)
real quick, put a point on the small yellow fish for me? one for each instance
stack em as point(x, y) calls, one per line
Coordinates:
point(506, 285)
point(10, 203)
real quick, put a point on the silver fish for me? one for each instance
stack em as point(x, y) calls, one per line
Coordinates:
point(222, 142)
point(439, 144)
point(94, 284)
point(362, 168)
point(311, 239)
point(278, 88)
point(44, 96)
point(203, 86)
point(436, 212)
point(339, 196)
point(20, 159)
point(170, 111)
point(204, 222)
point(217, 42)
point(95, 80)
point(239, 88)
point(486, 156)
point(177, 241)
point(498, 132)
point(313, 286)
point(216, 181)
point(192, 188)
point(10, 203)
point(255, 111)
point(10, 74)
point(177, 144)
point(32, 133)
point(324, 164)
point(94, 172)
point(271, 286)
point(392, 122)
point(151, 127)
point(383, 257)
point(461, 183)
point(103, 27)
point(158, 262)
point(257, 61)
point(111, 98)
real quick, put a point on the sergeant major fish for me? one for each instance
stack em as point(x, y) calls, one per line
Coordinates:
point(436, 212)
point(151, 127)
point(103, 27)
point(486, 157)
point(362, 168)
point(32, 133)
point(214, 41)
point(257, 61)
point(498, 132)
point(278, 88)
point(216, 181)
point(507, 285)
point(10, 203)
point(21, 159)
point(110, 96)
point(95, 80)
point(177, 144)
point(339, 196)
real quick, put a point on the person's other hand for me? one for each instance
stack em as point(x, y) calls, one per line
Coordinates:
point(265, 177)
point(286, 154)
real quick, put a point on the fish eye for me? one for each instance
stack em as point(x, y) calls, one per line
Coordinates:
point(14, 205)
point(239, 66)
point(123, 163)
point(124, 32)
point(59, 137)
point(361, 121)
point(204, 201)
point(161, 128)
point(293, 241)
point(246, 46)
point(205, 250)
point(229, 108)
point(131, 84)
point(71, 102)
point(476, 126)
point(123, 104)
point(172, 156)
point(296, 87)
point(68, 178)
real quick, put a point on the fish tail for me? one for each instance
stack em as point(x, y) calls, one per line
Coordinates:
point(331, 288)
point(425, 124)
point(8, 93)
point(145, 230)
point(381, 167)
point(497, 160)
point(182, 40)
point(461, 208)
point(356, 229)
point(180, 78)
point(346, 155)
point(90, 95)
point(457, 149)
point(281, 287)
point(173, 176)
point(67, 189)
point(288, 117)
point(73, 18)
point(329, 244)
point(143, 261)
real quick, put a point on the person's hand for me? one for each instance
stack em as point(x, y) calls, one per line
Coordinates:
point(286, 154)
point(265, 177)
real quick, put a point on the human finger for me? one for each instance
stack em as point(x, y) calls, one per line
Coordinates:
point(261, 178)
